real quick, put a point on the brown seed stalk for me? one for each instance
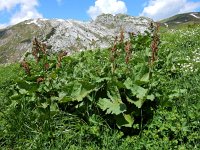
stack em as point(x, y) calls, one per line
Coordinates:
point(40, 79)
point(25, 65)
point(128, 52)
point(121, 36)
point(155, 43)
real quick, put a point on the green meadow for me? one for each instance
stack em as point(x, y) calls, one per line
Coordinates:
point(140, 94)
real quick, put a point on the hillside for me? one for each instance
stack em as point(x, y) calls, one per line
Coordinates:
point(181, 20)
point(68, 35)
point(141, 94)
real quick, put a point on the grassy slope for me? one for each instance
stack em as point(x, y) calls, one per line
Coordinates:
point(14, 35)
point(174, 127)
point(8, 74)
point(183, 19)
point(17, 35)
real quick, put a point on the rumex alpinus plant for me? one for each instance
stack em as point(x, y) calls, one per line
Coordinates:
point(116, 83)
point(85, 84)
point(155, 43)
point(130, 86)
point(37, 86)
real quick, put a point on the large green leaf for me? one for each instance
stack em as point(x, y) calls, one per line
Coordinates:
point(44, 105)
point(112, 107)
point(138, 103)
point(23, 91)
point(30, 87)
point(125, 120)
point(16, 96)
point(139, 92)
point(82, 94)
point(54, 109)
point(145, 78)
point(136, 90)
point(128, 83)
point(76, 91)
point(82, 89)
point(151, 97)
point(99, 79)
point(62, 97)
point(114, 104)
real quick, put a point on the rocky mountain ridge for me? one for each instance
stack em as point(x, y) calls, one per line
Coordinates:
point(68, 35)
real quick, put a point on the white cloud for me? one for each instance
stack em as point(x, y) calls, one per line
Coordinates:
point(27, 10)
point(107, 7)
point(59, 1)
point(2, 26)
point(159, 9)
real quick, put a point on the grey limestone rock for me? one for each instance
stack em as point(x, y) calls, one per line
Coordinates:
point(67, 35)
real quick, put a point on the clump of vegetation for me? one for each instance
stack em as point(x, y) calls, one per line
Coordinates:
point(133, 95)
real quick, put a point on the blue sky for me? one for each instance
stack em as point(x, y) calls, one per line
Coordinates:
point(77, 9)
point(14, 11)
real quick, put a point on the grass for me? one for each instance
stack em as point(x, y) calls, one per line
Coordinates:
point(175, 123)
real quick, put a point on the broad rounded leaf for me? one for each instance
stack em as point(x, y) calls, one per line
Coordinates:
point(112, 107)
point(124, 120)
point(136, 90)
point(138, 103)
point(151, 97)
point(145, 78)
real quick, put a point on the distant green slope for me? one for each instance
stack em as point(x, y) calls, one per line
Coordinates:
point(14, 41)
point(191, 18)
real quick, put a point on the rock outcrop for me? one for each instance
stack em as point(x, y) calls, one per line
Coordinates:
point(68, 35)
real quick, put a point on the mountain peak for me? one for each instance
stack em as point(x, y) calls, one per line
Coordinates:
point(68, 35)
